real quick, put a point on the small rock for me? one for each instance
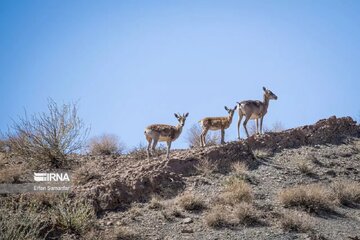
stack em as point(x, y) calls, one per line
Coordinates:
point(187, 220)
point(108, 223)
point(187, 230)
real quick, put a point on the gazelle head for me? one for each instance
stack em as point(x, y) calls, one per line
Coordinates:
point(181, 118)
point(230, 110)
point(269, 94)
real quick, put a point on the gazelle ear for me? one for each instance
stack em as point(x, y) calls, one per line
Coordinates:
point(226, 108)
point(186, 114)
point(235, 107)
point(177, 116)
point(264, 88)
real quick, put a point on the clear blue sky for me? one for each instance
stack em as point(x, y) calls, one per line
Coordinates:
point(133, 63)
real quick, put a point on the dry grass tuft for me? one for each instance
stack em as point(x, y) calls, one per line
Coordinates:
point(155, 203)
point(206, 167)
point(294, 221)
point(312, 198)
point(236, 191)
point(190, 202)
point(219, 217)
point(347, 192)
point(304, 166)
point(246, 214)
point(240, 168)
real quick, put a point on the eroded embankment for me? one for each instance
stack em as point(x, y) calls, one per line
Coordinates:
point(123, 180)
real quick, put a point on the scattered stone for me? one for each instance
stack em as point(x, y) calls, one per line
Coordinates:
point(187, 220)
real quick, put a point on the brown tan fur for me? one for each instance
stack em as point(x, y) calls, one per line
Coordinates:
point(164, 133)
point(254, 109)
point(216, 123)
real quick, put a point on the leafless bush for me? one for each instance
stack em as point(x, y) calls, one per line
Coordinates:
point(240, 168)
point(48, 137)
point(220, 216)
point(246, 214)
point(304, 166)
point(106, 144)
point(194, 134)
point(277, 127)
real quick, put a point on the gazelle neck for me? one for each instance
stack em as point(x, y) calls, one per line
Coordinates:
point(266, 101)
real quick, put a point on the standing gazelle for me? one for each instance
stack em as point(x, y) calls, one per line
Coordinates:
point(254, 109)
point(164, 133)
point(216, 123)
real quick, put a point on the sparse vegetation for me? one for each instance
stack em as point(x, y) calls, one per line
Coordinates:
point(219, 216)
point(106, 144)
point(206, 167)
point(236, 191)
point(155, 203)
point(304, 166)
point(246, 214)
point(73, 216)
point(194, 133)
point(190, 202)
point(11, 174)
point(240, 168)
point(347, 192)
point(48, 137)
point(277, 127)
point(21, 224)
point(312, 198)
point(295, 221)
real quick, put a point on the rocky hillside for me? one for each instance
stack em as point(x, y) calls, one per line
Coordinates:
point(302, 183)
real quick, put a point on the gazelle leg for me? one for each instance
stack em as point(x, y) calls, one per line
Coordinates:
point(257, 125)
point(245, 122)
point(239, 122)
point(168, 149)
point(261, 125)
point(155, 141)
point(222, 136)
point(203, 136)
point(149, 146)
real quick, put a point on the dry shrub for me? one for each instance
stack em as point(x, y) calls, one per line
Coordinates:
point(105, 144)
point(236, 191)
point(347, 192)
point(277, 127)
point(312, 198)
point(304, 166)
point(190, 202)
point(240, 168)
point(294, 221)
point(155, 203)
point(75, 216)
point(193, 137)
point(246, 214)
point(206, 167)
point(47, 137)
point(21, 224)
point(219, 216)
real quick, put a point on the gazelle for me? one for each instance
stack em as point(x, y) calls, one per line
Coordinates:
point(216, 123)
point(164, 133)
point(254, 109)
